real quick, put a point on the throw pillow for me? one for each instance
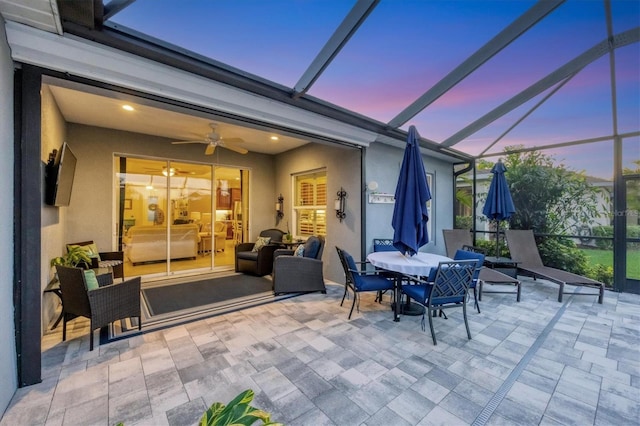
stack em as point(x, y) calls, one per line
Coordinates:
point(90, 279)
point(299, 250)
point(311, 247)
point(262, 241)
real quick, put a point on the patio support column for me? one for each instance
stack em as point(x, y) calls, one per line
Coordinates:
point(28, 190)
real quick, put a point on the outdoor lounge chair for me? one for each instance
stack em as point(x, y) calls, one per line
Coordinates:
point(457, 239)
point(523, 249)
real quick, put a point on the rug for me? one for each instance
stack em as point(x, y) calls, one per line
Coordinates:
point(170, 298)
point(170, 304)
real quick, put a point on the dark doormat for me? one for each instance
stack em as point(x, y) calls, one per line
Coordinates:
point(167, 305)
point(177, 297)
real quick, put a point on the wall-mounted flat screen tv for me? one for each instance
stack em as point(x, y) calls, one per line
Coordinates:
point(59, 177)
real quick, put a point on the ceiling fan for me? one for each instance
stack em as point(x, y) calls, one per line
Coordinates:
point(171, 171)
point(213, 140)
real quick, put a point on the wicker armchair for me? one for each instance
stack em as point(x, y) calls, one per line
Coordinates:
point(259, 262)
point(104, 305)
point(108, 259)
point(298, 274)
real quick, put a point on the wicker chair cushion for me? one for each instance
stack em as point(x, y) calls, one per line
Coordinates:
point(91, 280)
point(311, 247)
point(261, 242)
point(109, 263)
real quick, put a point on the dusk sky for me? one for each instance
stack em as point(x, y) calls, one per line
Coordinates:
point(405, 47)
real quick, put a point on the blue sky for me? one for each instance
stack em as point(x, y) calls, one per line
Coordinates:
point(406, 46)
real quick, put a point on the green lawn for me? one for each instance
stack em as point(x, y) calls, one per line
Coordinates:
point(605, 257)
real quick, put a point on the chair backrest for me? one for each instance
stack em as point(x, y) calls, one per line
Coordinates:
point(314, 246)
point(454, 239)
point(452, 281)
point(349, 265)
point(74, 290)
point(275, 234)
point(219, 227)
point(81, 243)
point(383, 244)
point(523, 248)
point(471, 255)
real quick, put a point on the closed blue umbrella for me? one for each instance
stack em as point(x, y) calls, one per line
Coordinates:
point(412, 193)
point(499, 205)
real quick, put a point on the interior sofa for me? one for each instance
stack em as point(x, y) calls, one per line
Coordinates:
point(148, 243)
point(220, 234)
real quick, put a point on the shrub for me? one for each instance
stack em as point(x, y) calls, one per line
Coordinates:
point(463, 222)
point(562, 253)
point(633, 231)
point(601, 273)
point(603, 231)
point(490, 247)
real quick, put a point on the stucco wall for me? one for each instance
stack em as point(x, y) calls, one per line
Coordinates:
point(383, 166)
point(91, 214)
point(343, 170)
point(8, 376)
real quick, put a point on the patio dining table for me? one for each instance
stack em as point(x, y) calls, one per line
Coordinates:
point(400, 265)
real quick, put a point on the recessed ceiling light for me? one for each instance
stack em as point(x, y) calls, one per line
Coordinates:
point(274, 138)
point(127, 107)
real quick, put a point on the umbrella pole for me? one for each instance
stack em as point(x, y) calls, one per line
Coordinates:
point(497, 238)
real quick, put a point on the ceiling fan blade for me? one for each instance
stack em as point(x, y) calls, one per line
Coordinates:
point(183, 142)
point(210, 149)
point(237, 149)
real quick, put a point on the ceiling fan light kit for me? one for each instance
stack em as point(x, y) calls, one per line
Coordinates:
point(214, 140)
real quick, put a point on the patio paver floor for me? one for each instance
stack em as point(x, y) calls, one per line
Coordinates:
point(529, 363)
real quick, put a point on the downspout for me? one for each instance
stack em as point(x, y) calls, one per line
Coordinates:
point(363, 204)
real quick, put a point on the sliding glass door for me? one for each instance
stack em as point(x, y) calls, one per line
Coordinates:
point(178, 217)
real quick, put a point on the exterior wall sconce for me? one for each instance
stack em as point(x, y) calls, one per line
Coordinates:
point(339, 204)
point(279, 207)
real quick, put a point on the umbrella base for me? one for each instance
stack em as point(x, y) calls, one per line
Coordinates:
point(411, 309)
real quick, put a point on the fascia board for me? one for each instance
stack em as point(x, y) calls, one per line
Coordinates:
point(94, 61)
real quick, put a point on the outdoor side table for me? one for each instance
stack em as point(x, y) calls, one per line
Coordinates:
point(503, 264)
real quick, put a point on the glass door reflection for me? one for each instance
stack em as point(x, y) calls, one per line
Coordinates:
point(177, 217)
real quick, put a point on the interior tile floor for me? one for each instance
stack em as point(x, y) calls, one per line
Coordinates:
point(537, 362)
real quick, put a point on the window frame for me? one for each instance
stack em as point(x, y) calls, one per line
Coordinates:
point(316, 209)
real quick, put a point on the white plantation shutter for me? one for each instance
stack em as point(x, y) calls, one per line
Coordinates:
point(310, 204)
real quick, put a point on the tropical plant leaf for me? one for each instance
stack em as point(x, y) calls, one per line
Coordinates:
point(238, 412)
point(211, 414)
